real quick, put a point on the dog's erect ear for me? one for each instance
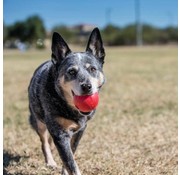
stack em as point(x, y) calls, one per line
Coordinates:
point(95, 45)
point(59, 48)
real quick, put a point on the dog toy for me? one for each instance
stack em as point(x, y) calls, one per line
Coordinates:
point(86, 103)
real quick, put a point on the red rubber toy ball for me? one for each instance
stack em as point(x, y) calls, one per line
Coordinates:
point(86, 103)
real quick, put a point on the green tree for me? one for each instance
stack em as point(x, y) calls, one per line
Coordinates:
point(153, 35)
point(110, 33)
point(34, 29)
point(129, 35)
point(5, 32)
point(66, 33)
point(172, 33)
point(29, 30)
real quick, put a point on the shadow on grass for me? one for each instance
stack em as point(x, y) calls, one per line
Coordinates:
point(8, 158)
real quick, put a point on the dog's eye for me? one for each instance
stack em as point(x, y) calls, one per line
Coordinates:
point(72, 72)
point(93, 69)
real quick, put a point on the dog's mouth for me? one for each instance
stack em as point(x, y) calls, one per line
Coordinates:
point(81, 112)
point(73, 94)
point(85, 113)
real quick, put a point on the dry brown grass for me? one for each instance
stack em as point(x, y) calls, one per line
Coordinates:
point(134, 131)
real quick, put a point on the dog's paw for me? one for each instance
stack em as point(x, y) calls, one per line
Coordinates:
point(52, 164)
point(64, 172)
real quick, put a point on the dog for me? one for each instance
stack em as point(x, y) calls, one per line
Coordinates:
point(53, 114)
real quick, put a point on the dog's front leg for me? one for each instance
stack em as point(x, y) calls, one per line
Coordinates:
point(76, 138)
point(74, 144)
point(62, 140)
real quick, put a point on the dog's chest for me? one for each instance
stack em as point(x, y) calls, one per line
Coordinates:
point(70, 125)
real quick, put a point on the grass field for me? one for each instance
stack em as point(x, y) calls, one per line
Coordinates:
point(135, 128)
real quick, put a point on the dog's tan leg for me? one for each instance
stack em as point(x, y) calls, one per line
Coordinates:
point(64, 171)
point(51, 143)
point(44, 137)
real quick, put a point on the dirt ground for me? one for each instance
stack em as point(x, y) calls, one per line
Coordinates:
point(135, 129)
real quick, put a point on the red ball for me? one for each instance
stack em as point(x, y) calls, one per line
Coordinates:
point(86, 103)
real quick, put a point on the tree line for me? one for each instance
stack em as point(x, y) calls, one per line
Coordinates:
point(32, 30)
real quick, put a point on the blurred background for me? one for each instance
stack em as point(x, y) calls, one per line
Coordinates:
point(29, 24)
point(135, 129)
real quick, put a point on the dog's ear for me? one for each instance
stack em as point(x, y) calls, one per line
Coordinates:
point(95, 45)
point(59, 48)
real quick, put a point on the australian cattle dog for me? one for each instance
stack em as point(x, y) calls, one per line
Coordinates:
point(53, 114)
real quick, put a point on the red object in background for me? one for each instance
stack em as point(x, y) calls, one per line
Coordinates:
point(86, 103)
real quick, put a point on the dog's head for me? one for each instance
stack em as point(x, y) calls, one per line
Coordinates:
point(78, 73)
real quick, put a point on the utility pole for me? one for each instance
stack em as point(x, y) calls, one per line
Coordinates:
point(139, 41)
point(108, 15)
point(170, 19)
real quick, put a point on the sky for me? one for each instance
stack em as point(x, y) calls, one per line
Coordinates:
point(159, 13)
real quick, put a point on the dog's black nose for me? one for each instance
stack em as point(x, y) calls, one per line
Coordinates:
point(86, 88)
